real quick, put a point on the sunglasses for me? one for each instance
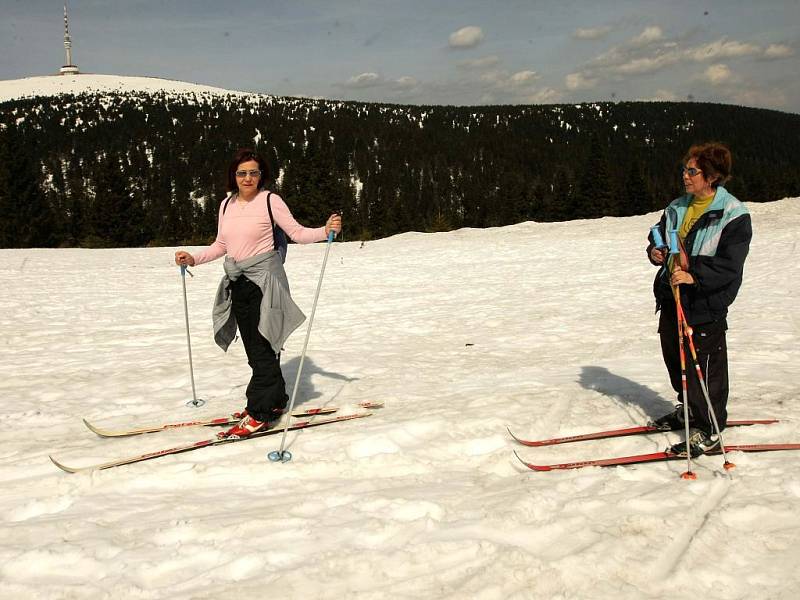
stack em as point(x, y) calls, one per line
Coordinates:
point(691, 171)
point(254, 173)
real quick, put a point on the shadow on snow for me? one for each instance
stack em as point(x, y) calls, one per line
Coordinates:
point(622, 389)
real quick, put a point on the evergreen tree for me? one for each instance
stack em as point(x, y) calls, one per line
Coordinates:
point(26, 218)
point(560, 204)
point(115, 219)
point(595, 196)
point(313, 188)
point(76, 202)
point(636, 199)
point(8, 229)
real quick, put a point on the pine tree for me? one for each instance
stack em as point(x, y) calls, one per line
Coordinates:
point(636, 197)
point(8, 229)
point(26, 218)
point(595, 196)
point(560, 205)
point(115, 218)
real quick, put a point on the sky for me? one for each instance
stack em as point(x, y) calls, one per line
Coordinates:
point(425, 498)
point(461, 52)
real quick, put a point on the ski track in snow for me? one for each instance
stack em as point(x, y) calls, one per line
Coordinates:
point(546, 328)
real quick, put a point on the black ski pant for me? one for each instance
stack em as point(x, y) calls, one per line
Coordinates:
point(712, 355)
point(266, 392)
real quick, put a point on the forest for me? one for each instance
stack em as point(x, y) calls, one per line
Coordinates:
point(112, 170)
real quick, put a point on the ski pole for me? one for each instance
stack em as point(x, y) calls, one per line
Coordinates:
point(284, 455)
point(655, 231)
point(688, 332)
point(659, 243)
point(195, 401)
point(684, 387)
point(674, 250)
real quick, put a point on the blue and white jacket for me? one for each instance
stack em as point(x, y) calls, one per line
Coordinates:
point(716, 248)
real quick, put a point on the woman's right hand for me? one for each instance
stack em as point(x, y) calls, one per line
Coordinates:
point(184, 259)
point(658, 255)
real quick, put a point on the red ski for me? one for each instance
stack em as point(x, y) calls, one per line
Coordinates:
point(229, 420)
point(204, 443)
point(613, 433)
point(326, 410)
point(653, 457)
point(217, 422)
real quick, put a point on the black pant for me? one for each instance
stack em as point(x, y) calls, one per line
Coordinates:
point(712, 355)
point(266, 392)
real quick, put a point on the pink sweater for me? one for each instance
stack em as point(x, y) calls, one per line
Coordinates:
point(245, 229)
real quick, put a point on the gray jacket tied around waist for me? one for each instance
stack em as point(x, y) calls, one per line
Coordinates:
point(279, 317)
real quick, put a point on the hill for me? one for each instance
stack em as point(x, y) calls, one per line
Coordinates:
point(101, 160)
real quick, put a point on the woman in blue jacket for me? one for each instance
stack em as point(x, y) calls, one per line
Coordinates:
point(715, 231)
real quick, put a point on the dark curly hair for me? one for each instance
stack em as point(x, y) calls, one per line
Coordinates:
point(713, 159)
point(244, 155)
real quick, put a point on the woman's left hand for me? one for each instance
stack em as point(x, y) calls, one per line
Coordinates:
point(334, 223)
point(681, 277)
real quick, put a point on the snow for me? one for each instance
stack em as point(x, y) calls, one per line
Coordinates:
point(547, 328)
point(52, 85)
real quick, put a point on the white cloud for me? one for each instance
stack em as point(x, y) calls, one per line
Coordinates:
point(591, 33)
point(648, 36)
point(466, 37)
point(500, 85)
point(772, 98)
point(544, 96)
point(718, 74)
point(722, 48)
point(649, 64)
point(374, 80)
point(579, 81)
point(611, 56)
point(480, 63)
point(494, 76)
point(778, 51)
point(364, 80)
point(524, 77)
point(630, 60)
point(502, 80)
point(405, 82)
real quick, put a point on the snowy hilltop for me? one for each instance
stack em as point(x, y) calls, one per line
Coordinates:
point(545, 328)
point(54, 85)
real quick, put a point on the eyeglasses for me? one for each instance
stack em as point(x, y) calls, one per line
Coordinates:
point(691, 171)
point(254, 173)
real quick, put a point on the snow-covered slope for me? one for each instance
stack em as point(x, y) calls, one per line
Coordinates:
point(75, 84)
point(545, 327)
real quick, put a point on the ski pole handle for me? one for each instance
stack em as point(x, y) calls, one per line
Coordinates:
point(332, 233)
point(674, 246)
point(655, 231)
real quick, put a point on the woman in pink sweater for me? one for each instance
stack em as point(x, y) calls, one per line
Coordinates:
point(253, 295)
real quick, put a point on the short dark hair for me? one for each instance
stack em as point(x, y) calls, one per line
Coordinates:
point(713, 159)
point(244, 155)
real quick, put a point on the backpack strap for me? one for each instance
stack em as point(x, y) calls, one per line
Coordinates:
point(225, 206)
point(280, 241)
point(272, 221)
